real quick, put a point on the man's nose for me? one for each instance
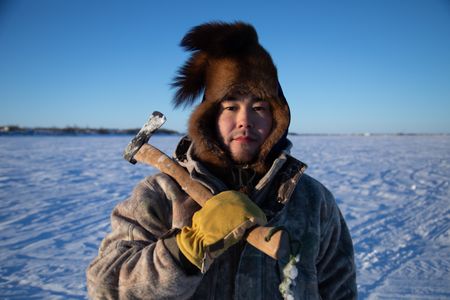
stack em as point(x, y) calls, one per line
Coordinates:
point(245, 118)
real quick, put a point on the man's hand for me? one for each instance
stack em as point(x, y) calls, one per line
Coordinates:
point(221, 223)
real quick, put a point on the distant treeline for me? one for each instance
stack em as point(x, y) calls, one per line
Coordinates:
point(74, 130)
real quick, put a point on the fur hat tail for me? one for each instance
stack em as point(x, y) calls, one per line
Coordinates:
point(190, 81)
point(221, 39)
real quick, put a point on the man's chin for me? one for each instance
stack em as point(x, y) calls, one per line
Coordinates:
point(243, 157)
point(243, 153)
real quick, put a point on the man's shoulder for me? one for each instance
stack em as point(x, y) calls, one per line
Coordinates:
point(313, 196)
point(156, 181)
point(154, 187)
point(312, 188)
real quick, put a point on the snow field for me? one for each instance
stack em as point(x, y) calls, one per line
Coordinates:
point(56, 194)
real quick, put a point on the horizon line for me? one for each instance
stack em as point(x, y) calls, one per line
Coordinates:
point(71, 130)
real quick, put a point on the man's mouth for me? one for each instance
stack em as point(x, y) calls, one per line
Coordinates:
point(244, 139)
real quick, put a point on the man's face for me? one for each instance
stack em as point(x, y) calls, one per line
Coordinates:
point(243, 124)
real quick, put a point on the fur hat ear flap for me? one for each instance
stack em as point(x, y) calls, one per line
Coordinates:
point(190, 81)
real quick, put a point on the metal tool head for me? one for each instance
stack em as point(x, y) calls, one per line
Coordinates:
point(155, 121)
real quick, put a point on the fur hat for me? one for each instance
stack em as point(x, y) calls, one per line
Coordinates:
point(227, 57)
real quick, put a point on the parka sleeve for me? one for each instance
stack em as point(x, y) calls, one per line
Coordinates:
point(336, 266)
point(133, 261)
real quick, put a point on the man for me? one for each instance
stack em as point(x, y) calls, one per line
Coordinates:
point(237, 148)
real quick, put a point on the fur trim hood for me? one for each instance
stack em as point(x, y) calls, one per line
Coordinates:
point(227, 57)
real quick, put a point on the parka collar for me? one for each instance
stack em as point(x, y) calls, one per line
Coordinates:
point(184, 155)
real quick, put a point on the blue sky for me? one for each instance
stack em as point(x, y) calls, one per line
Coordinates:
point(345, 66)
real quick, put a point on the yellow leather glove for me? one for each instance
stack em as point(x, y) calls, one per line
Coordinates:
point(221, 223)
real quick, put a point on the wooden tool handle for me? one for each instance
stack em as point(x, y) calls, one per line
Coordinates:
point(257, 237)
point(154, 157)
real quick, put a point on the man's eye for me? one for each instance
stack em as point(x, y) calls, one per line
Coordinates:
point(259, 108)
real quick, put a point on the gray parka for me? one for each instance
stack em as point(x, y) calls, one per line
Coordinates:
point(139, 259)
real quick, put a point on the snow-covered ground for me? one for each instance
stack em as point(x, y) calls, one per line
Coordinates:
point(56, 194)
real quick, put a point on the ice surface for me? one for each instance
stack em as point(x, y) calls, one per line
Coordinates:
point(56, 194)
